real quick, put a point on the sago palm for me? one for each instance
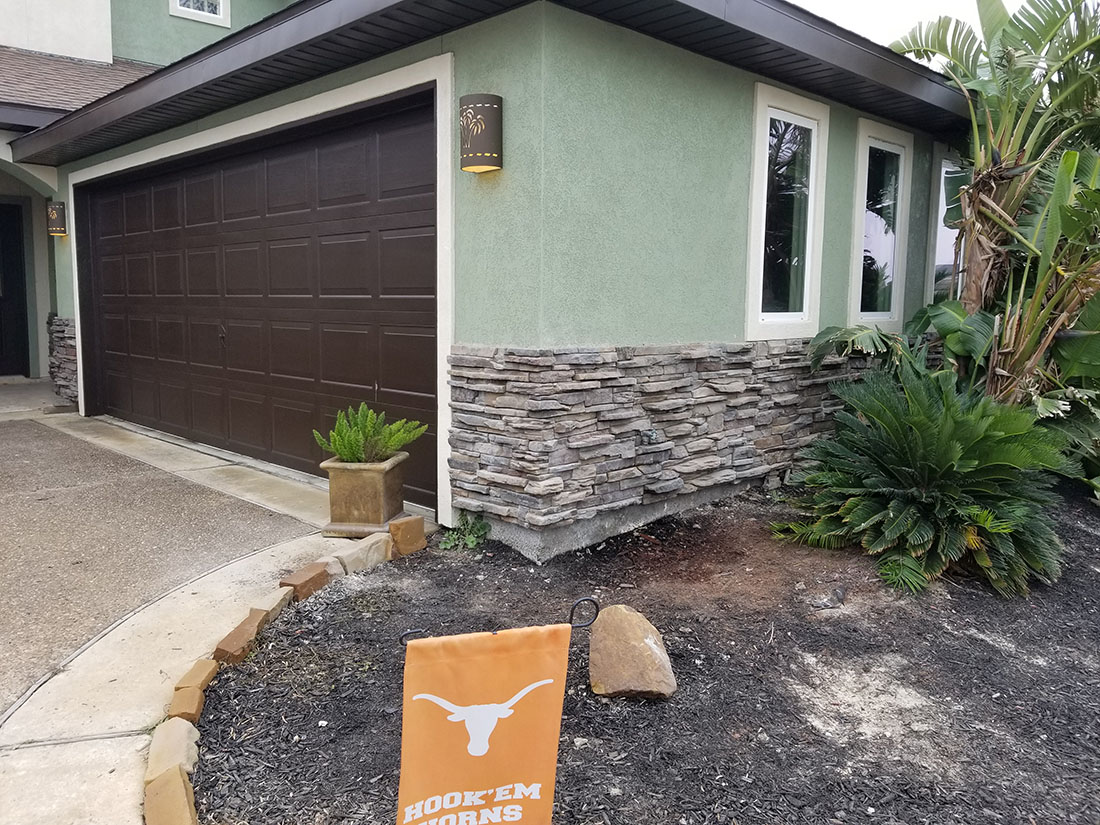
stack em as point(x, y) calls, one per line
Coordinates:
point(927, 477)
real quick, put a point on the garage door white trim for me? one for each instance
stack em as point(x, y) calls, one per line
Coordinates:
point(438, 69)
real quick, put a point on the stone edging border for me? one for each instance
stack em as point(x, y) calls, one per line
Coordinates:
point(173, 750)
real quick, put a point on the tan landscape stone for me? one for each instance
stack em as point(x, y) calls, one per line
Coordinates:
point(170, 800)
point(175, 742)
point(370, 552)
point(307, 580)
point(238, 642)
point(273, 603)
point(627, 656)
point(199, 676)
point(187, 704)
point(408, 535)
point(333, 566)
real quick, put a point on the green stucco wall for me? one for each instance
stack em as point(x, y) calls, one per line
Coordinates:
point(144, 30)
point(621, 215)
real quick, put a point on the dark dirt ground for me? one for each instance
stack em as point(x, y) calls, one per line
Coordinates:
point(954, 707)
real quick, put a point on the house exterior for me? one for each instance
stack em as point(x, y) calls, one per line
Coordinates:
point(609, 328)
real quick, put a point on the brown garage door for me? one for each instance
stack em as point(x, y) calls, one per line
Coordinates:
point(241, 300)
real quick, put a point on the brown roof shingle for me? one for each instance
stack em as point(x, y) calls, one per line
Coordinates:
point(54, 82)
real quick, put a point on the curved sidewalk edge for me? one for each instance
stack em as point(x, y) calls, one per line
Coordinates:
point(73, 751)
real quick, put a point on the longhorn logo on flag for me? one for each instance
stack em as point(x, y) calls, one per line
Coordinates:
point(482, 718)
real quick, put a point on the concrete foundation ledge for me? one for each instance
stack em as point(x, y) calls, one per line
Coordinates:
point(543, 544)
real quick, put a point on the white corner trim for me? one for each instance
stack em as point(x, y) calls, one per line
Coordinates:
point(440, 70)
point(220, 19)
point(874, 134)
point(771, 101)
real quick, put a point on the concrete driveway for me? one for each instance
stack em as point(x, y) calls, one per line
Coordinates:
point(88, 535)
point(124, 556)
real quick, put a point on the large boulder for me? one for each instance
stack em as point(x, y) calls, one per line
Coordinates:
point(627, 656)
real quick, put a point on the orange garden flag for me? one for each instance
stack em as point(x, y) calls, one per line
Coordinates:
point(482, 718)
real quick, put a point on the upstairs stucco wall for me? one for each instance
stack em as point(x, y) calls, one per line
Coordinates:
point(74, 28)
point(144, 30)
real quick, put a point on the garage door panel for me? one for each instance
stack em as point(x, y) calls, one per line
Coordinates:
point(243, 192)
point(201, 200)
point(139, 275)
point(142, 336)
point(116, 338)
point(171, 338)
point(293, 345)
point(107, 213)
point(408, 262)
point(345, 173)
point(407, 358)
point(144, 396)
point(174, 407)
point(136, 212)
point(246, 346)
point(289, 266)
point(202, 272)
point(292, 425)
point(118, 391)
point(290, 183)
point(349, 355)
point(244, 270)
point(347, 265)
point(208, 414)
point(168, 273)
point(406, 161)
point(112, 276)
point(205, 342)
point(167, 206)
point(243, 300)
point(249, 430)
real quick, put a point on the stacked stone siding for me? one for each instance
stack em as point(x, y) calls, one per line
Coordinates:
point(551, 437)
point(63, 357)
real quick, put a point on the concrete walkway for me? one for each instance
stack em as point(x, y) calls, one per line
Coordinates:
point(96, 519)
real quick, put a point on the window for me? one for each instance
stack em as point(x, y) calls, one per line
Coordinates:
point(788, 186)
point(883, 179)
point(942, 283)
point(208, 11)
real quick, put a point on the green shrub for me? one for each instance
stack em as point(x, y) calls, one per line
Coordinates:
point(364, 436)
point(927, 477)
point(470, 532)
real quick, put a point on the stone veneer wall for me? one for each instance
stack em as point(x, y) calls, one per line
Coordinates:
point(565, 447)
point(63, 357)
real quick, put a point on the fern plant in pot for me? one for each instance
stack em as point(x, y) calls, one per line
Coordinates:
point(366, 480)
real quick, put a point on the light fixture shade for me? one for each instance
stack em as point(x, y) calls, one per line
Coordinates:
point(481, 131)
point(55, 218)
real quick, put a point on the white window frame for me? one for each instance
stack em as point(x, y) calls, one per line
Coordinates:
point(801, 111)
point(872, 134)
point(941, 156)
point(222, 19)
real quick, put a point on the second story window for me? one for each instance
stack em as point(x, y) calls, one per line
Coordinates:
point(207, 11)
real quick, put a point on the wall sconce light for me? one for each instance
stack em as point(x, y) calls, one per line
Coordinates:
point(481, 126)
point(55, 218)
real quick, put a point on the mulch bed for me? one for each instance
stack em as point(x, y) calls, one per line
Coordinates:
point(955, 707)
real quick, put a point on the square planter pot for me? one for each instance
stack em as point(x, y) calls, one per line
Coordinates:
point(362, 498)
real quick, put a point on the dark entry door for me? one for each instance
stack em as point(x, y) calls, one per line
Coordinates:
point(242, 300)
point(14, 350)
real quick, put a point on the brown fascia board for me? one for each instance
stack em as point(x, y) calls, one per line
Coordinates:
point(312, 20)
point(20, 118)
point(294, 26)
point(807, 33)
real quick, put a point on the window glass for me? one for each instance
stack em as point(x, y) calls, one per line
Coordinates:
point(205, 6)
point(880, 230)
point(945, 286)
point(786, 220)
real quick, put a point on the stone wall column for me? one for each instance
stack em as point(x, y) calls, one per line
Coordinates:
point(63, 357)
